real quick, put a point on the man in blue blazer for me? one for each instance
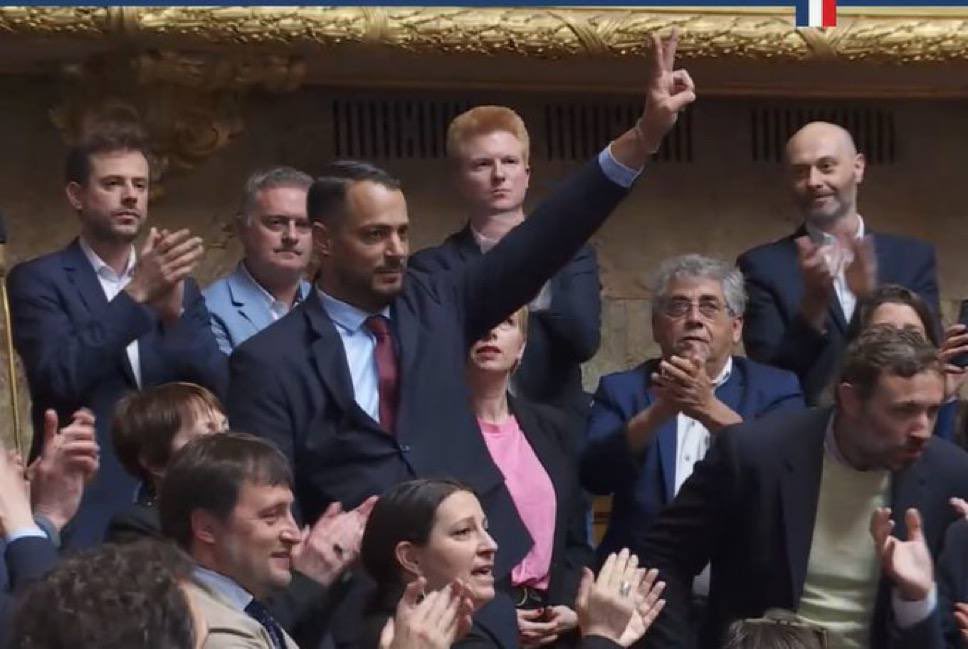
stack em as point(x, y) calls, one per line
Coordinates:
point(651, 424)
point(96, 319)
point(490, 152)
point(804, 288)
point(361, 385)
point(276, 239)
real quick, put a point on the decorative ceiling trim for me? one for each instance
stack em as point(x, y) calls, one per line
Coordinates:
point(899, 35)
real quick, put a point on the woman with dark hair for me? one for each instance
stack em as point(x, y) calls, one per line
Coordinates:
point(535, 447)
point(902, 308)
point(432, 535)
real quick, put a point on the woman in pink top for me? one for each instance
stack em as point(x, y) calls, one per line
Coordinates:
point(534, 447)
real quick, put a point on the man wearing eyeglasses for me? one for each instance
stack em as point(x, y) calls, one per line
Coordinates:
point(651, 424)
point(274, 230)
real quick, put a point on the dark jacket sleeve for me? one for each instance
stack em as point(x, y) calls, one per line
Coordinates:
point(786, 395)
point(952, 579)
point(191, 346)
point(574, 317)
point(767, 337)
point(257, 403)
point(925, 279)
point(681, 541)
point(68, 361)
point(606, 463)
point(511, 274)
point(26, 560)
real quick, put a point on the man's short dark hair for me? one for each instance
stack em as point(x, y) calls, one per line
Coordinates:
point(110, 597)
point(208, 473)
point(146, 422)
point(326, 202)
point(103, 137)
point(883, 349)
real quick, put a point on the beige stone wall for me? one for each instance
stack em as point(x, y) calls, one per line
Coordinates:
point(718, 205)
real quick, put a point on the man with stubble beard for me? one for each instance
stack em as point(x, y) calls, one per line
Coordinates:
point(99, 318)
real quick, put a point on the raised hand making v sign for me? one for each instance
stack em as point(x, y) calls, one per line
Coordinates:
point(668, 93)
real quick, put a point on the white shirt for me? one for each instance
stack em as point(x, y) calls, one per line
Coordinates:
point(838, 258)
point(692, 438)
point(277, 308)
point(113, 283)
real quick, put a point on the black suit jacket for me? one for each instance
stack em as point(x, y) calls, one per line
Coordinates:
point(560, 338)
point(952, 579)
point(291, 384)
point(775, 333)
point(749, 509)
point(72, 342)
point(554, 438)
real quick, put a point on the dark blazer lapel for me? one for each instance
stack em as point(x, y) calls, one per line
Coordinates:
point(907, 491)
point(542, 441)
point(82, 276)
point(733, 392)
point(406, 327)
point(666, 436)
point(800, 489)
point(329, 355)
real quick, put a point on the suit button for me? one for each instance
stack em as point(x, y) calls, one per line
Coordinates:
point(404, 448)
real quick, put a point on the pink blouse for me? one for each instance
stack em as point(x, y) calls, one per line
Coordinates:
point(533, 495)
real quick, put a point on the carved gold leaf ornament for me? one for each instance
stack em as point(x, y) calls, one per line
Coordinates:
point(900, 35)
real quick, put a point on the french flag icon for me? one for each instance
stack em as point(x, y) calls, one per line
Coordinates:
point(816, 13)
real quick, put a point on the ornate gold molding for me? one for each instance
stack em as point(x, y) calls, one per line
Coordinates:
point(911, 35)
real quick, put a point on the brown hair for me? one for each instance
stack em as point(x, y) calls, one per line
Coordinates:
point(883, 349)
point(103, 137)
point(895, 294)
point(145, 424)
point(208, 474)
point(482, 120)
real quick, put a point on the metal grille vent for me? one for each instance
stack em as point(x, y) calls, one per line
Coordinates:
point(577, 131)
point(392, 128)
point(872, 128)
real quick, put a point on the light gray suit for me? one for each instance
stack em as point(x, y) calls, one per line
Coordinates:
point(228, 627)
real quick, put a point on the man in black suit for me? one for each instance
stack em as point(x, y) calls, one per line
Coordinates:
point(804, 288)
point(780, 507)
point(361, 385)
point(489, 148)
point(96, 319)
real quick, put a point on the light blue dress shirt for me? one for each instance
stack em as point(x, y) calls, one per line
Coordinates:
point(227, 587)
point(359, 344)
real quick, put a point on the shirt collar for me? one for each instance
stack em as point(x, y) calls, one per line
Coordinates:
point(271, 299)
point(346, 315)
point(821, 237)
point(225, 586)
point(483, 242)
point(724, 373)
point(99, 265)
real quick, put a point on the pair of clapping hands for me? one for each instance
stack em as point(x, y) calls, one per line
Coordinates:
point(53, 484)
point(620, 605)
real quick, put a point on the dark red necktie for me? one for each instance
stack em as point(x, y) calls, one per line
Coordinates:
point(387, 370)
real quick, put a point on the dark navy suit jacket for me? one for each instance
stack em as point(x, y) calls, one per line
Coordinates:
point(775, 333)
point(72, 342)
point(642, 487)
point(24, 561)
point(291, 383)
point(560, 338)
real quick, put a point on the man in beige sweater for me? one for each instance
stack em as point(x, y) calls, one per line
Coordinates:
point(782, 507)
